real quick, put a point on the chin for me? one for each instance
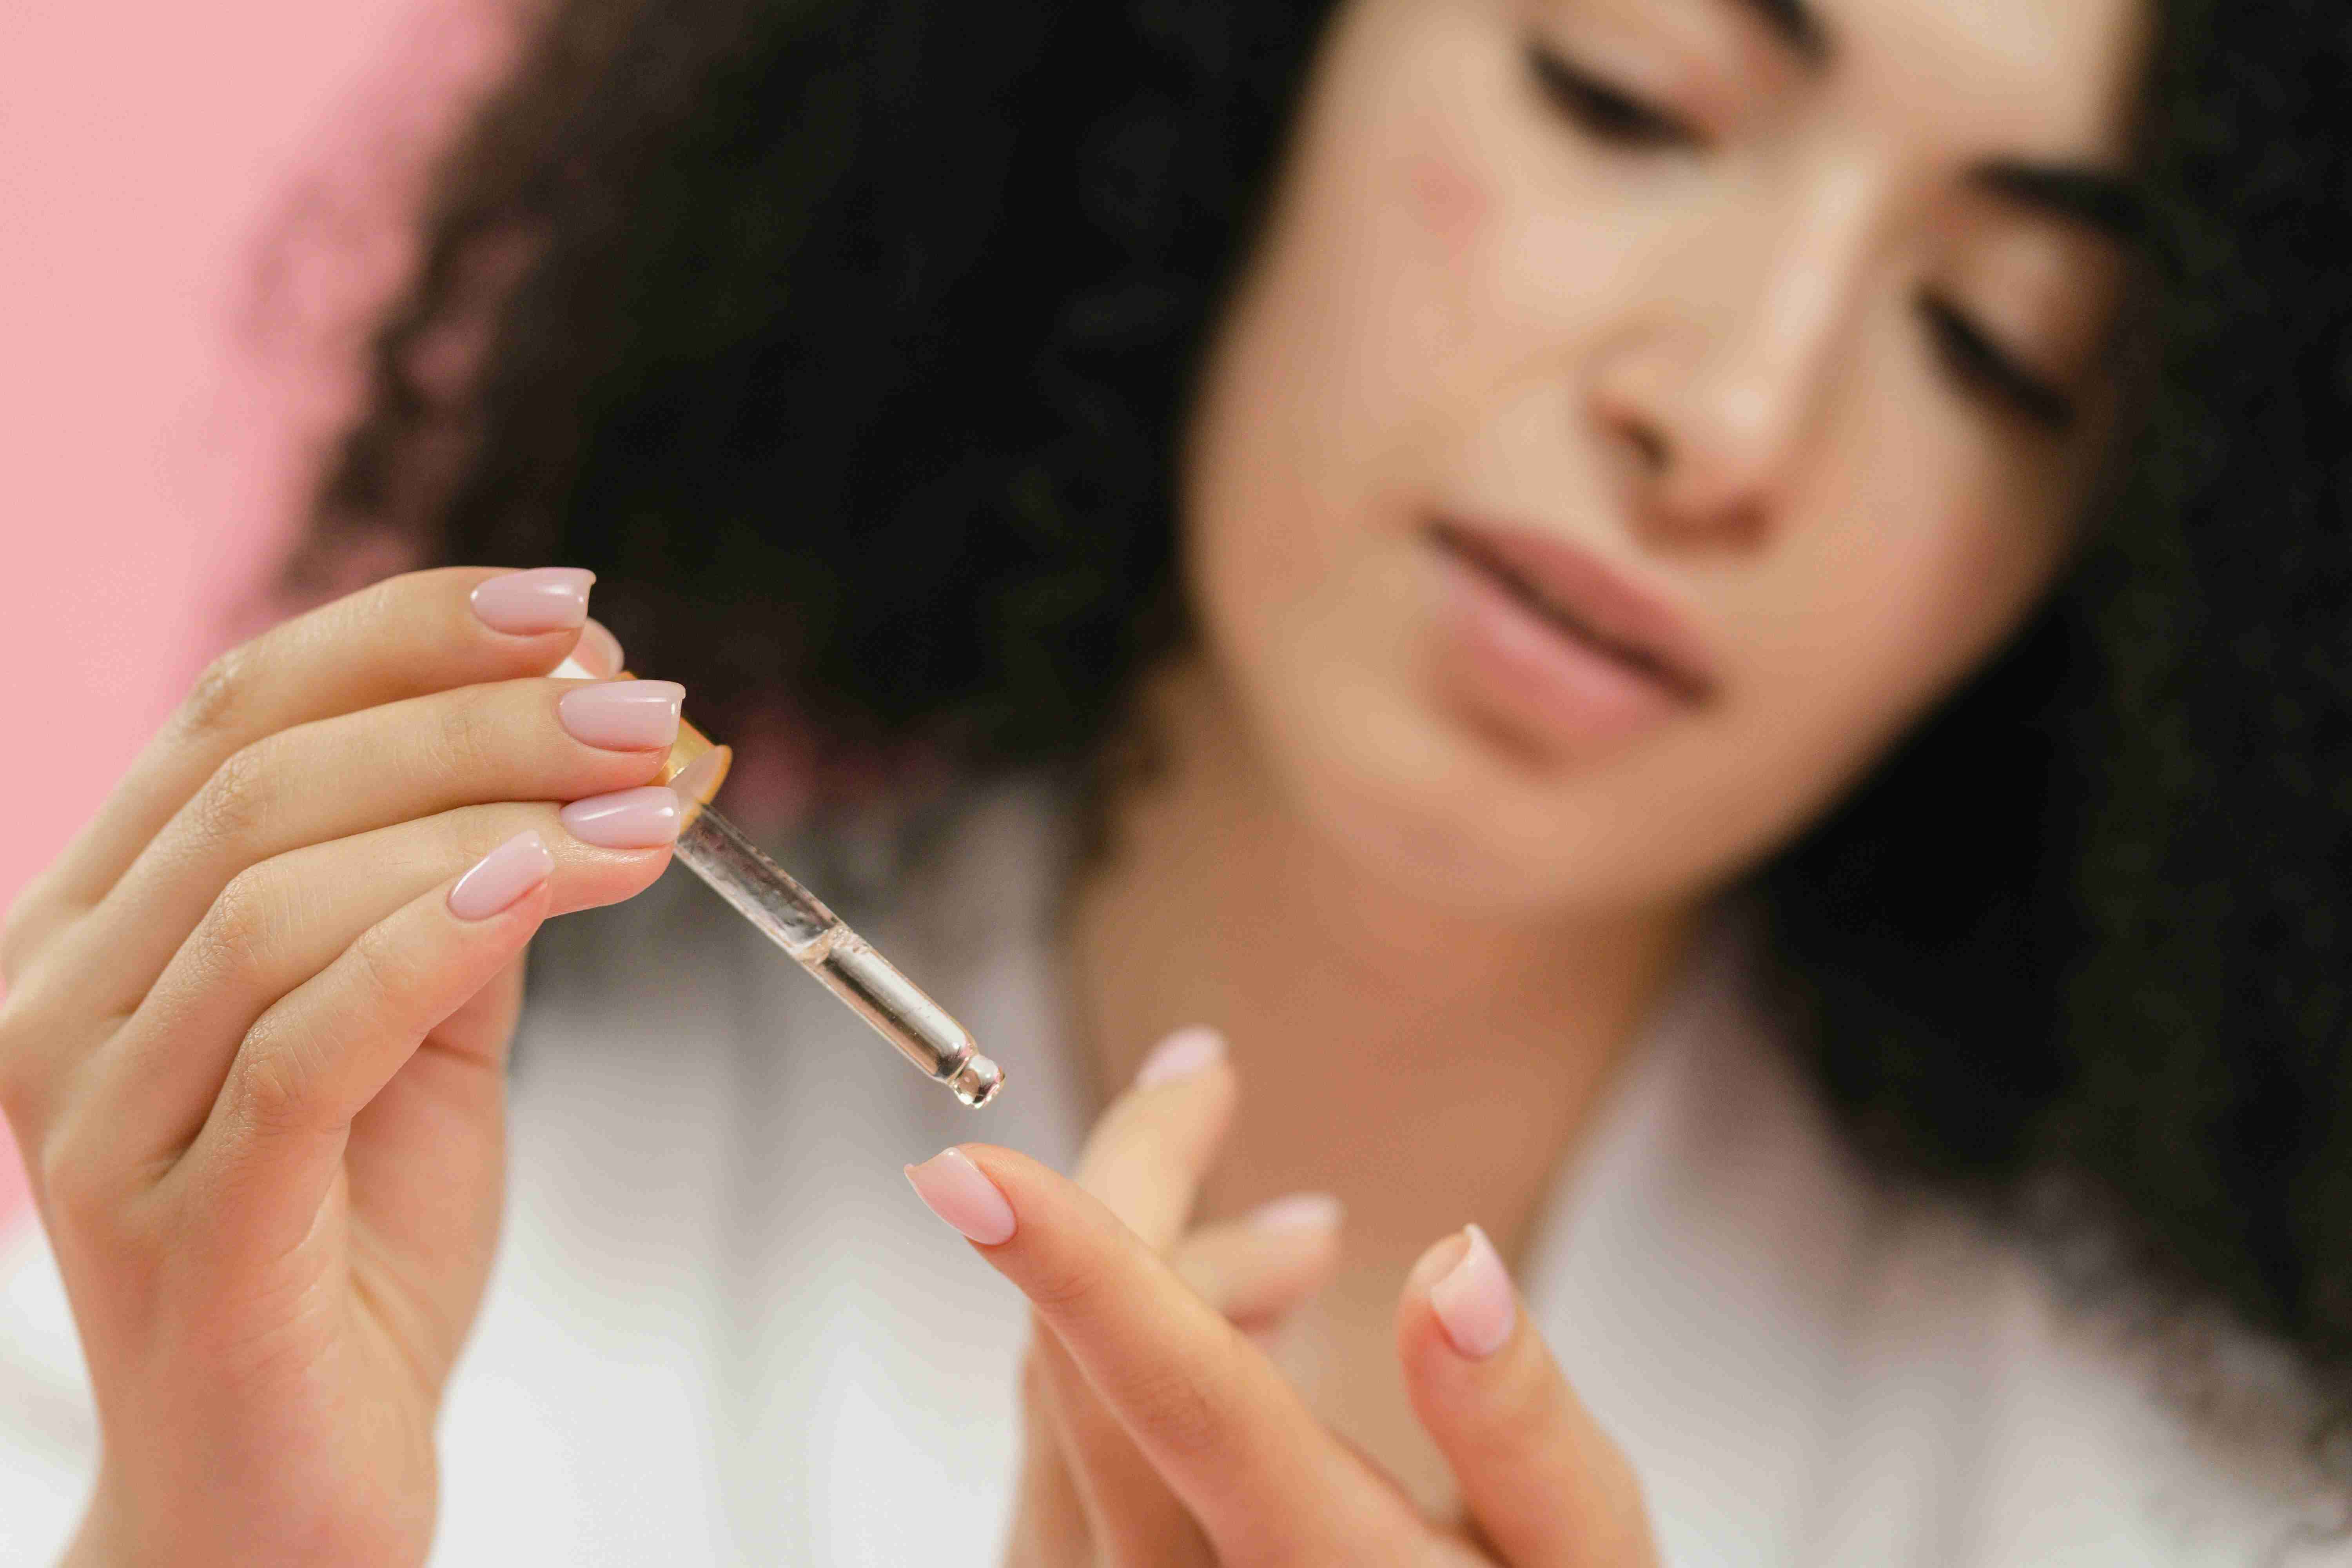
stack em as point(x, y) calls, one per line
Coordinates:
point(1422, 800)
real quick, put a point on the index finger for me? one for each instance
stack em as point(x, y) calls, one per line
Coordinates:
point(1147, 1156)
point(1214, 1417)
point(404, 636)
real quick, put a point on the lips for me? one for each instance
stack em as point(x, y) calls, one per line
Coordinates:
point(1549, 636)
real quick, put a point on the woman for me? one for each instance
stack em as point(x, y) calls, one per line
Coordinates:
point(1663, 600)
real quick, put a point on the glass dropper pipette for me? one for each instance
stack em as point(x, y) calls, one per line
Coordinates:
point(812, 936)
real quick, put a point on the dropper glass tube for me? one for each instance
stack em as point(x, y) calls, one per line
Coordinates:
point(789, 915)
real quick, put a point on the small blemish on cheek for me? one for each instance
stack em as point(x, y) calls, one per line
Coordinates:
point(1450, 202)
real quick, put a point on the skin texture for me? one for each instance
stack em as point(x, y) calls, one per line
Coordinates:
point(1161, 1437)
point(2099, 842)
point(1707, 366)
point(1466, 304)
point(257, 1060)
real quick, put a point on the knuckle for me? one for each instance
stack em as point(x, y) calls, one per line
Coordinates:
point(470, 739)
point(385, 970)
point(222, 699)
point(272, 1080)
point(241, 794)
point(245, 921)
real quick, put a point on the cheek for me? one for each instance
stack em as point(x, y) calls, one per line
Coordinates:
point(1332, 410)
point(1453, 206)
point(1938, 550)
point(1925, 595)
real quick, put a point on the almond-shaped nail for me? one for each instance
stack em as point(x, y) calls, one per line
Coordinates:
point(643, 818)
point(1179, 1055)
point(956, 1190)
point(545, 599)
point(1473, 1301)
point(622, 715)
point(1299, 1211)
point(502, 877)
point(598, 651)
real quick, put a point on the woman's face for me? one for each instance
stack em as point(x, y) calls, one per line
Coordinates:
point(1639, 411)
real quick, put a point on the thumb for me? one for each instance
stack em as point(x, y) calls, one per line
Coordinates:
point(1542, 1482)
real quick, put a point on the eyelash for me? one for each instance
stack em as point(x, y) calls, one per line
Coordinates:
point(1611, 115)
point(1978, 362)
point(1605, 111)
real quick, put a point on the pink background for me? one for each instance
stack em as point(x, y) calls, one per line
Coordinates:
point(196, 202)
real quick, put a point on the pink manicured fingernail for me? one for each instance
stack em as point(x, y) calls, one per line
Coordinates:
point(953, 1188)
point(1179, 1055)
point(525, 603)
point(626, 819)
point(1299, 1211)
point(502, 877)
point(1473, 1300)
point(622, 715)
point(598, 651)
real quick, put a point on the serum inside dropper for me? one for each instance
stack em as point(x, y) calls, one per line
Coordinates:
point(789, 915)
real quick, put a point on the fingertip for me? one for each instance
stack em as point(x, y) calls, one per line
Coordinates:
point(514, 871)
point(1006, 1170)
point(1458, 1305)
point(1309, 1212)
point(1308, 1227)
point(598, 651)
point(954, 1187)
point(1435, 1263)
point(531, 911)
point(1541, 1480)
point(1473, 1299)
point(533, 603)
point(645, 867)
point(647, 817)
point(1261, 1268)
point(1187, 1053)
point(592, 878)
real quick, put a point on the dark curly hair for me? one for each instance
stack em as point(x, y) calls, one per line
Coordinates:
point(848, 340)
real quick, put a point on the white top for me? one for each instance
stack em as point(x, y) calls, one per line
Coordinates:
point(722, 1330)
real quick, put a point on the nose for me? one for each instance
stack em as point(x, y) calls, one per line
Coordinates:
point(1713, 393)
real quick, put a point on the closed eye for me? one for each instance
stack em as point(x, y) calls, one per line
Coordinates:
point(1607, 113)
point(1984, 368)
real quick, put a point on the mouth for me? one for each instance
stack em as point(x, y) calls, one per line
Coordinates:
point(1586, 605)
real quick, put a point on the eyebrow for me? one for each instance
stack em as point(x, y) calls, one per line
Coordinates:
point(1795, 23)
point(2106, 204)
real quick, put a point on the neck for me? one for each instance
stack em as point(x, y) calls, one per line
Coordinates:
point(1426, 1064)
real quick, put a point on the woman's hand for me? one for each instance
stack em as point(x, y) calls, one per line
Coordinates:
point(254, 1045)
point(1178, 1440)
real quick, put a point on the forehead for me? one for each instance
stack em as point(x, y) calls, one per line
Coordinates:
point(2056, 79)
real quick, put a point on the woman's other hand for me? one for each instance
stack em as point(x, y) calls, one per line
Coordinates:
point(1160, 1433)
point(255, 1038)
